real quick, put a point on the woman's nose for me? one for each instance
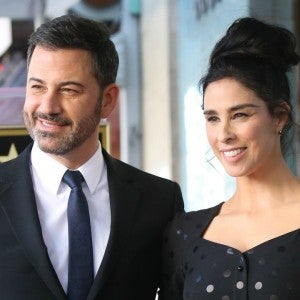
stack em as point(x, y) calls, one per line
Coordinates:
point(226, 132)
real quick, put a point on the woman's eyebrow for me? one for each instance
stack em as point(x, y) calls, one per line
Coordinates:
point(231, 109)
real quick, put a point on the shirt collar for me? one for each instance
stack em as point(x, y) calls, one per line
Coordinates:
point(50, 172)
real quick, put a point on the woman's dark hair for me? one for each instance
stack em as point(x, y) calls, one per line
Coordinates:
point(73, 32)
point(258, 55)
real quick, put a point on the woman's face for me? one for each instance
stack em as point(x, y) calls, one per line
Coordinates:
point(241, 131)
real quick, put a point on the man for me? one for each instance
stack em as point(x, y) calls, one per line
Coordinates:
point(72, 67)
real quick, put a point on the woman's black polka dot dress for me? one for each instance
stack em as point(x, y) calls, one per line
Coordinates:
point(196, 269)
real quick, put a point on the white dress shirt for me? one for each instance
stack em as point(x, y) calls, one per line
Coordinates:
point(52, 199)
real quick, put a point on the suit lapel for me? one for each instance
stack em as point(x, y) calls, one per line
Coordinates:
point(124, 199)
point(17, 200)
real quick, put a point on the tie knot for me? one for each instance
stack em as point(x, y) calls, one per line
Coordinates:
point(73, 178)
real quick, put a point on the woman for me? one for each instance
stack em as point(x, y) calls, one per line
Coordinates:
point(249, 246)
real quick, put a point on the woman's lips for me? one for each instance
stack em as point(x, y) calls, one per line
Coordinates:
point(233, 152)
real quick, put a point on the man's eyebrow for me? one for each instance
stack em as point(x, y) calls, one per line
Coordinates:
point(232, 109)
point(71, 83)
point(64, 83)
point(36, 79)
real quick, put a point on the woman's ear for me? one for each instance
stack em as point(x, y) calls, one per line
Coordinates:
point(282, 113)
point(109, 99)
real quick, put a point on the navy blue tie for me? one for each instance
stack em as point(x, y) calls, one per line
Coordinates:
point(81, 271)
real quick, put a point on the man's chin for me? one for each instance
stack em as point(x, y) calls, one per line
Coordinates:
point(47, 145)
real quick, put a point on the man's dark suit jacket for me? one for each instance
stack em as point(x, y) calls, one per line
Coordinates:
point(141, 206)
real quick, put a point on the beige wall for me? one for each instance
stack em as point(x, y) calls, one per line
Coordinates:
point(156, 116)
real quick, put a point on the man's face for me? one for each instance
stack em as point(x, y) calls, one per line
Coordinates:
point(62, 108)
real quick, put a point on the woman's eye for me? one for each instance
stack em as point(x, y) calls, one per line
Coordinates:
point(212, 119)
point(240, 115)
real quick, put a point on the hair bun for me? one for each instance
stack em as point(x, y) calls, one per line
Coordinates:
point(251, 37)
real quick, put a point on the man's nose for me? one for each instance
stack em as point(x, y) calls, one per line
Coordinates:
point(50, 103)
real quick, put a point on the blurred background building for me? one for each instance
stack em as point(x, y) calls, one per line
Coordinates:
point(164, 47)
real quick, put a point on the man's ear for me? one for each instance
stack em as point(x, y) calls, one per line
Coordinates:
point(109, 99)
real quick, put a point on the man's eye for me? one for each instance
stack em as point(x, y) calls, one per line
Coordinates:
point(69, 91)
point(37, 88)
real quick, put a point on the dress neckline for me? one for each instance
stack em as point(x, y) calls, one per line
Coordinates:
point(216, 210)
point(250, 250)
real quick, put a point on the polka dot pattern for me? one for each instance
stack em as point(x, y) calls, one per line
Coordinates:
point(207, 270)
point(240, 285)
point(258, 285)
point(210, 288)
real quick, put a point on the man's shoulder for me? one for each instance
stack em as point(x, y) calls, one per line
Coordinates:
point(17, 164)
point(160, 191)
point(125, 169)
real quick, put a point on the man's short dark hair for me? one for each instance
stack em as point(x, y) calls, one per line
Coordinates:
point(73, 32)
